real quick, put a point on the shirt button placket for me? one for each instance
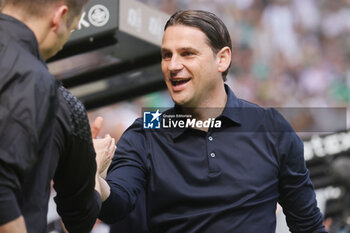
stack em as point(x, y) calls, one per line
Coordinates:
point(212, 154)
point(213, 161)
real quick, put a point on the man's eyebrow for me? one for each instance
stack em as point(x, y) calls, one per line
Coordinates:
point(181, 49)
point(189, 49)
point(165, 50)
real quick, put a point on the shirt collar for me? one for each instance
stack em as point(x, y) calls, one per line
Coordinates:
point(21, 33)
point(232, 107)
point(231, 112)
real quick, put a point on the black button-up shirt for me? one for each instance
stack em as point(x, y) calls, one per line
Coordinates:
point(228, 179)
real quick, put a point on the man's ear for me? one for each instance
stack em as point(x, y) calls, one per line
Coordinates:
point(60, 15)
point(224, 59)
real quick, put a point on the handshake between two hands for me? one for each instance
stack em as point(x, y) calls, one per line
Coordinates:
point(104, 148)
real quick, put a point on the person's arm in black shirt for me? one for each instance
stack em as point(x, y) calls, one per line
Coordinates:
point(78, 203)
point(297, 195)
point(126, 177)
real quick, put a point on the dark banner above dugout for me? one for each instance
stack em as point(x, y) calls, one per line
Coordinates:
point(102, 17)
point(98, 19)
point(127, 23)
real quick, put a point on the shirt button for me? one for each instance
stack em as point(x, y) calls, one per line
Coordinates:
point(210, 138)
point(212, 155)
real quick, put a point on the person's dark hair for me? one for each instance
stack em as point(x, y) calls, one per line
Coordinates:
point(37, 7)
point(215, 30)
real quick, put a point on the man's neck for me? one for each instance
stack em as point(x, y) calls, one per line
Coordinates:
point(210, 109)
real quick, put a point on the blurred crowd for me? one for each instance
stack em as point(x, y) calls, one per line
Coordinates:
point(286, 52)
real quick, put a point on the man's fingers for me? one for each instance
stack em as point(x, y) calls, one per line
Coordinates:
point(96, 127)
point(112, 148)
point(108, 140)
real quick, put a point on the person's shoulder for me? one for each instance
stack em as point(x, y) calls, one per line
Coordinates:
point(251, 112)
point(5, 39)
point(134, 136)
point(247, 104)
point(277, 121)
point(266, 118)
point(20, 64)
point(24, 80)
point(136, 127)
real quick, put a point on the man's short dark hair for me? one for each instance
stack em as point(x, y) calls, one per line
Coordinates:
point(37, 7)
point(215, 30)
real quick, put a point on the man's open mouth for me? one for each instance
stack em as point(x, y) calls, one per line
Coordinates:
point(179, 82)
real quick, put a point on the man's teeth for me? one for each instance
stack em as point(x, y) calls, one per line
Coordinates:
point(175, 83)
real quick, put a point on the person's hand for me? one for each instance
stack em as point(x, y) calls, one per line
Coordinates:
point(96, 127)
point(104, 148)
point(103, 174)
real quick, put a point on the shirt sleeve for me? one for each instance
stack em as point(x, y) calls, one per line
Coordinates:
point(127, 174)
point(78, 203)
point(27, 109)
point(297, 195)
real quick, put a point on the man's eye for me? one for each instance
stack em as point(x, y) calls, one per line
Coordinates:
point(166, 55)
point(187, 53)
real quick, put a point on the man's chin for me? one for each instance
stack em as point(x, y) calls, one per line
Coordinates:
point(181, 102)
point(49, 53)
point(178, 99)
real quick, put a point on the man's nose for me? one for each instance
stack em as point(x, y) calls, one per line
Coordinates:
point(175, 64)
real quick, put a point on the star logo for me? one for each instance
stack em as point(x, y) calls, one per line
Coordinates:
point(156, 115)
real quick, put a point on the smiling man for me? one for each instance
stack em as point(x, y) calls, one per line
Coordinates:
point(210, 179)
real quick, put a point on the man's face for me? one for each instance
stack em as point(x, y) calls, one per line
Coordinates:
point(65, 31)
point(189, 66)
point(60, 36)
